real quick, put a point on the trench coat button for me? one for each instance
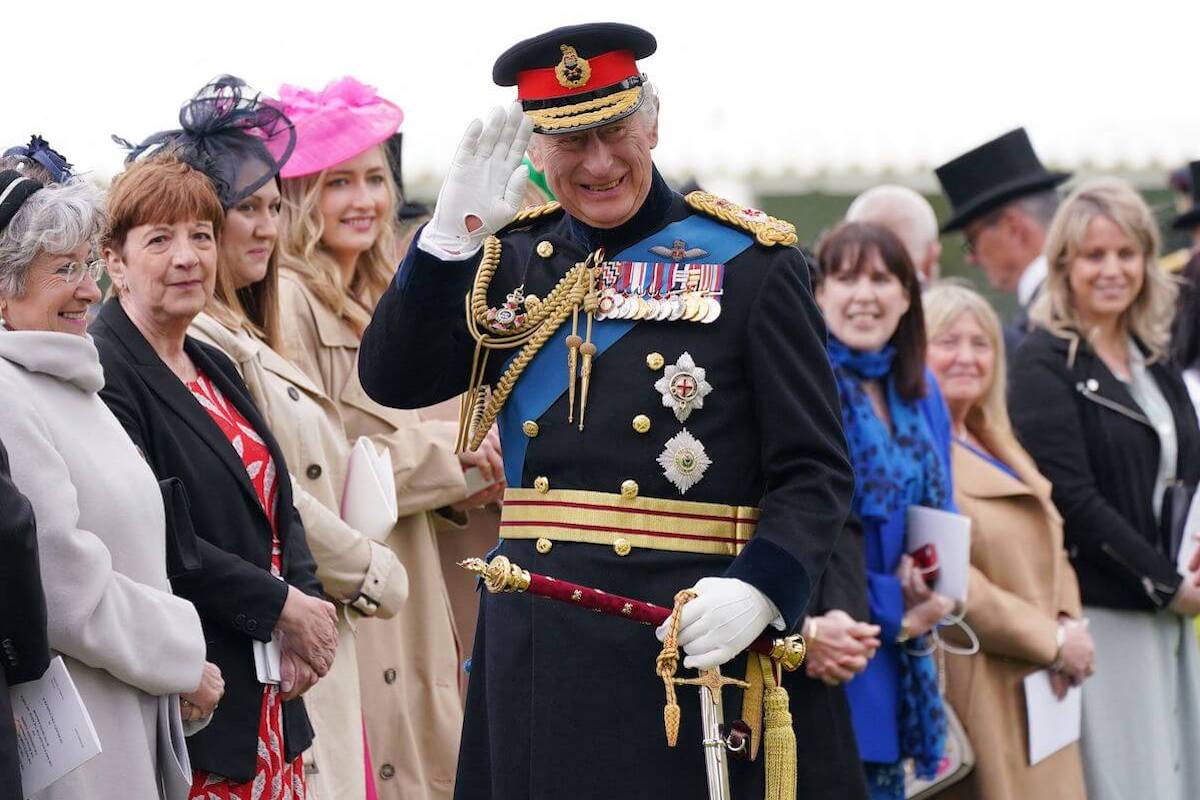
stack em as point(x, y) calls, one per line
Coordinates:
point(641, 423)
point(252, 625)
point(1093, 385)
point(545, 249)
point(293, 393)
point(389, 675)
point(239, 620)
point(530, 428)
point(655, 361)
point(544, 545)
point(313, 472)
point(622, 547)
point(541, 483)
point(387, 772)
point(629, 489)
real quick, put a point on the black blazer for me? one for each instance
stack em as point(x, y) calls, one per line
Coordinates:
point(1094, 444)
point(237, 597)
point(24, 647)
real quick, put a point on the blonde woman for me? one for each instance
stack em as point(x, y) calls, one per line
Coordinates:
point(1024, 599)
point(1106, 417)
point(338, 256)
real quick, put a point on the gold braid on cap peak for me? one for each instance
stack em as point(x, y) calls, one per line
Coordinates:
point(767, 230)
point(588, 112)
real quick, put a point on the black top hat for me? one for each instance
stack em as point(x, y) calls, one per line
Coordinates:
point(992, 174)
point(1191, 218)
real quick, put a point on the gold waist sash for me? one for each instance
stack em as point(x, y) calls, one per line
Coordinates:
point(572, 515)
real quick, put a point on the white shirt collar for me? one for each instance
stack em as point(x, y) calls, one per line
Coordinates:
point(1031, 280)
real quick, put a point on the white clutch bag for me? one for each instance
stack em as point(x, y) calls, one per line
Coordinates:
point(369, 497)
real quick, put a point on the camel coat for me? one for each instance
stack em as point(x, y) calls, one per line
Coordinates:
point(128, 643)
point(410, 667)
point(308, 427)
point(1020, 582)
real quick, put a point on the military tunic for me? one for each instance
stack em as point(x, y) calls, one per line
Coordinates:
point(566, 703)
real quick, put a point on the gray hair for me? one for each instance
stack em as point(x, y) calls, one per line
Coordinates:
point(1040, 206)
point(56, 220)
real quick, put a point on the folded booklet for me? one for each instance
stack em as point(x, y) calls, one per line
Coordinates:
point(1053, 723)
point(267, 658)
point(369, 497)
point(950, 535)
point(55, 734)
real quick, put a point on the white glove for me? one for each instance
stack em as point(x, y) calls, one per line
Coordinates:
point(486, 180)
point(726, 615)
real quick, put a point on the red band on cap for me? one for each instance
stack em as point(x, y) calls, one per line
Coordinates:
point(607, 69)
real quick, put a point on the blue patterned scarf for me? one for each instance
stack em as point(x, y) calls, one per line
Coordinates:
point(894, 470)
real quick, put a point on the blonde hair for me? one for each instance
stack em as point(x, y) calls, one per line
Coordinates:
point(945, 302)
point(301, 250)
point(1149, 316)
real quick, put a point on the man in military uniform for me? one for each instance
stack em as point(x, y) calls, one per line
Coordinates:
point(668, 422)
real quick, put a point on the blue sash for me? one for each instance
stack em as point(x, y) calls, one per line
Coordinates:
point(545, 379)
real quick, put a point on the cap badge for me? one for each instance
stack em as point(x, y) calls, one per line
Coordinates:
point(678, 251)
point(573, 70)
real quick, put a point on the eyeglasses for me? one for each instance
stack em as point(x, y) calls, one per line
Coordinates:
point(75, 271)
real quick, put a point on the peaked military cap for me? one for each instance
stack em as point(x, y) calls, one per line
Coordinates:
point(992, 174)
point(578, 77)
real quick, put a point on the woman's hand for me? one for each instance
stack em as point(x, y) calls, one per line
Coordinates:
point(1078, 655)
point(839, 646)
point(295, 675)
point(490, 462)
point(1186, 602)
point(921, 618)
point(912, 583)
point(310, 625)
point(201, 704)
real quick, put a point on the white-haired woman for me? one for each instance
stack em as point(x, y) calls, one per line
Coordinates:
point(1107, 419)
point(99, 510)
point(1024, 598)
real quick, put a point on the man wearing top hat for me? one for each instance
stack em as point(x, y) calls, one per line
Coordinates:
point(1003, 199)
point(669, 421)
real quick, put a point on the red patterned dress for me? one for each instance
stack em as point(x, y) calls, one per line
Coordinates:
point(274, 779)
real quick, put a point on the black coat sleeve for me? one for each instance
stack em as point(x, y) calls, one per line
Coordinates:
point(809, 481)
point(24, 646)
point(1046, 417)
point(843, 584)
point(225, 587)
point(417, 351)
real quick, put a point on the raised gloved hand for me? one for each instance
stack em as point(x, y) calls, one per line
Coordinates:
point(484, 186)
point(726, 615)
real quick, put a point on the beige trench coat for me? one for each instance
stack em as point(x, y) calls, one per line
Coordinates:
point(1020, 582)
point(308, 427)
point(410, 666)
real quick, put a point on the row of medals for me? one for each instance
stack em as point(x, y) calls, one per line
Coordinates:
point(687, 306)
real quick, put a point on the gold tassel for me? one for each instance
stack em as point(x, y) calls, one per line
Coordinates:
point(573, 343)
point(779, 739)
point(752, 700)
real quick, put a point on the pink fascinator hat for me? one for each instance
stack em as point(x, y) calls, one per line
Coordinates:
point(335, 124)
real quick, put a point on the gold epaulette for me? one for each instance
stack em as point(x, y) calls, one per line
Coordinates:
point(535, 212)
point(1176, 261)
point(767, 230)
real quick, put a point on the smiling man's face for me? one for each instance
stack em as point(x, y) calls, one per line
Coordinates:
point(601, 176)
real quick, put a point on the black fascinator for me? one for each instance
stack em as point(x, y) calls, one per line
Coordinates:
point(39, 151)
point(229, 133)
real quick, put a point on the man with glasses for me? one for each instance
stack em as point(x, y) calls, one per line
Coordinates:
point(1003, 199)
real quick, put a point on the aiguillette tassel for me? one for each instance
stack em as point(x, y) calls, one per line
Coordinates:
point(573, 344)
point(589, 350)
